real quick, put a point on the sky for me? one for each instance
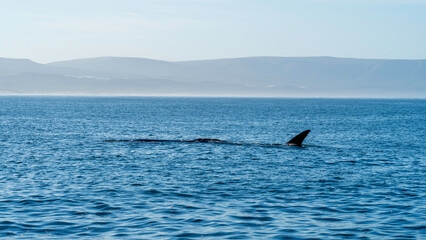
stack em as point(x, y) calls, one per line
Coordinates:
point(174, 30)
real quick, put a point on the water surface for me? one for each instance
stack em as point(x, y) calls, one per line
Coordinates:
point(361, 174)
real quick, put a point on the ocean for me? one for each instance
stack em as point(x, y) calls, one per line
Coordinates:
point(360, 174)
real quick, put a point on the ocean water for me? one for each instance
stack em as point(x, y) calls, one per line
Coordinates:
point(360, 175)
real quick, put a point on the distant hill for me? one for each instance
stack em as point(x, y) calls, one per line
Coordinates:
point(253, 76)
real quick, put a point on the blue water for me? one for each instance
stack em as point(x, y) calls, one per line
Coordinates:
point(361, 174)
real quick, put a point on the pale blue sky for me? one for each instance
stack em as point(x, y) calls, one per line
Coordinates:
point(51, 30)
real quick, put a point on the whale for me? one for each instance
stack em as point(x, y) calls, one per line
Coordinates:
point(295, 141)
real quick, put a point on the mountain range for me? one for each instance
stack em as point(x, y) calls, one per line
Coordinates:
point(251, 76)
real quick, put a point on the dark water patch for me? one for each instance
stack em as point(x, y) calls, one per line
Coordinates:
point(422, 228)
point(253, 218)
point(184, 195)
point(290, 237)
point(59, 223)
point(153, 192)
point(327, 219)
point(102, 213)
point(190, 235)
point(195, 220)
point(122, 235)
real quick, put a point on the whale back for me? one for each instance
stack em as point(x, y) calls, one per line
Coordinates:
point(208, 140)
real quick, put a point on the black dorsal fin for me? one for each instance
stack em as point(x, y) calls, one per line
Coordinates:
point(297, 141)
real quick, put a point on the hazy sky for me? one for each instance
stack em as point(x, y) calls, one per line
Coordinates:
point(51, 30)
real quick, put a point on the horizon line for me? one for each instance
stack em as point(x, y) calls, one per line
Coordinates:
point(213, 59)
point(194, 96)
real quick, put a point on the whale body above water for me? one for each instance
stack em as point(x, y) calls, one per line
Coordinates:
point(296, 141)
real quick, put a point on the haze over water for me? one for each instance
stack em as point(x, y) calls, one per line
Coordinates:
point(360, 174)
